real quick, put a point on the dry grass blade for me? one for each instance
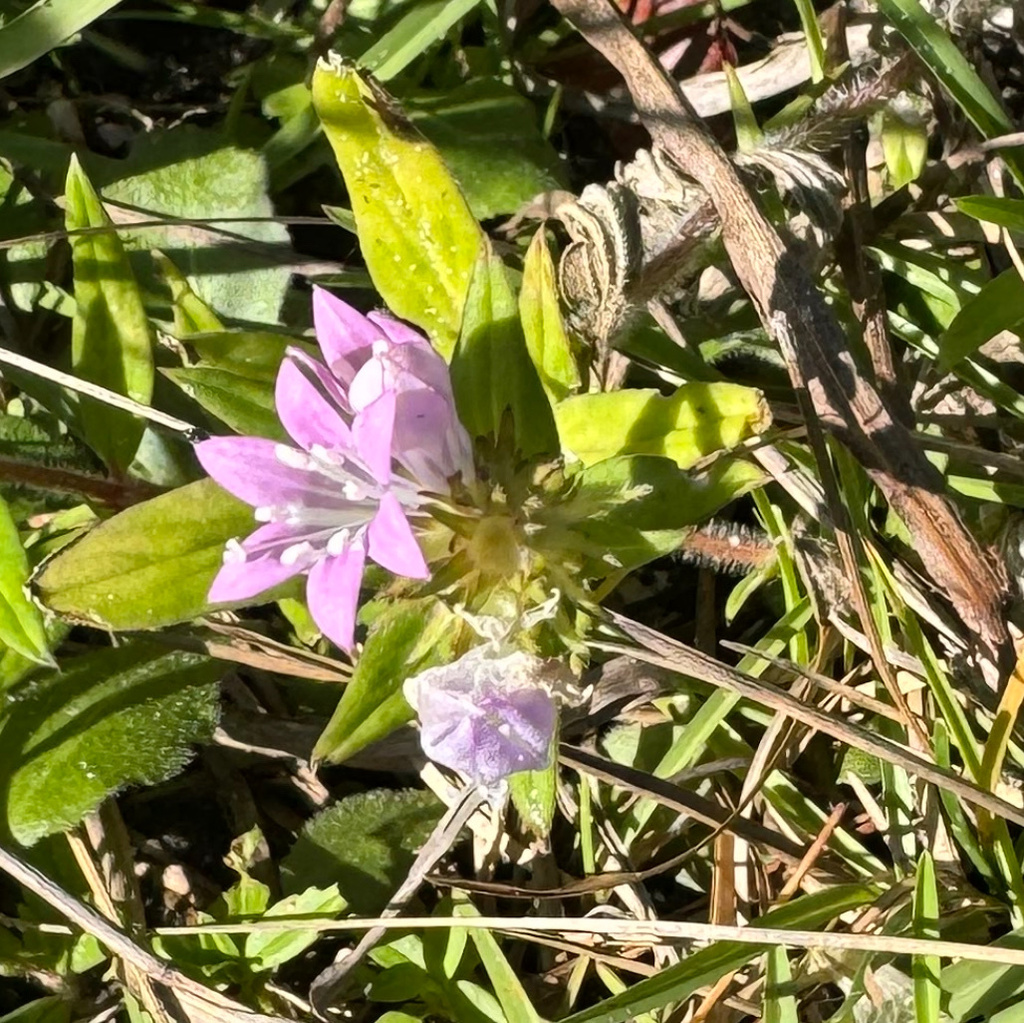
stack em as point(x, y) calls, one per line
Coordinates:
point(795, 314)
point(658, 649)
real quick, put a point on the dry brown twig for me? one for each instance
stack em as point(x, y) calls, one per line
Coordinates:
point(833, 390)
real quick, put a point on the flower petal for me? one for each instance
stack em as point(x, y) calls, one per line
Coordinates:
point(332, 593)
point(249, 468)
point(373, 430)
point(392, 543)
point(429, 441)
point(487, 736)
point(305, 412)
point(396, 331)
point(344, 334)
point(261, 568)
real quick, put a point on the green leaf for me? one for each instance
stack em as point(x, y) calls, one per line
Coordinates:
point(533, 795)
point(267, 950)
point(1007, 213)
point(998, 306)
point(927, 969)
point(191, 314)
point(366, 843)
point(110, 335)
point(415, 32)
point(628, 510)
point(244, 404)
point(149, 566)
point(905, 147)
point(748, 133)
point(51, 1009)
point(43, 27)
point(977, 990)
point(779, 1000)
point(487, 134)
point(108, 719)
point(407, 638)
point(941, 55)
point(21, 622)
point(492, 373)
point(540, 312)
point(686, 426)
point(196, 174)
point(514, 1001)
point(417, 235)
point(812, 36)
point(709, 964)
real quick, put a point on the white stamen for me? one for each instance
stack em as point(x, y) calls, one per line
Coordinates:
point(291, 457)
point(353, 491)
point(296, 553)
point(234, 553)
point(339, 542)
point(264, 513)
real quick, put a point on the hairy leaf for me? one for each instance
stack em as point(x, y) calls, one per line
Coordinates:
point(107, 719)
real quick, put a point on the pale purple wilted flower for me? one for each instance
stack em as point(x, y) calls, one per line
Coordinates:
point(487, 715)
point(383, 400)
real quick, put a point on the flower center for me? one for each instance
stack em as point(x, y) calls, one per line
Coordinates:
point(494, 546)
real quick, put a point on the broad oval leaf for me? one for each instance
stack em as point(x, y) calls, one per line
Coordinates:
point(417, 234)
point(693, 422)
point(21, 622)
point(111, 343)
point(149, 566)
point(107, 719)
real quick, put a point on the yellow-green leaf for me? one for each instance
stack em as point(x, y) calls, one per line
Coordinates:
point(539, 311)
point(417, 234)
point(698, 419)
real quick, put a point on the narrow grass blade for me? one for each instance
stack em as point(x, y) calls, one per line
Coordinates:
point(43, 27)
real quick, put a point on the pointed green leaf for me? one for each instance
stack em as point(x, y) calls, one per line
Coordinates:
point(424, 23)
point(111, 342)
point(748, 133)
point(492, 374)
point(904, 145)
point(408, 637)
point(695, 421)
point(21, 622)
point(417, 235)
point(1007, 213)
point(244, 404)
point(927, 969)
point(108, 719)
point(149, 566)
point(540, 312)
point(998, 306)
point(191, 314)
